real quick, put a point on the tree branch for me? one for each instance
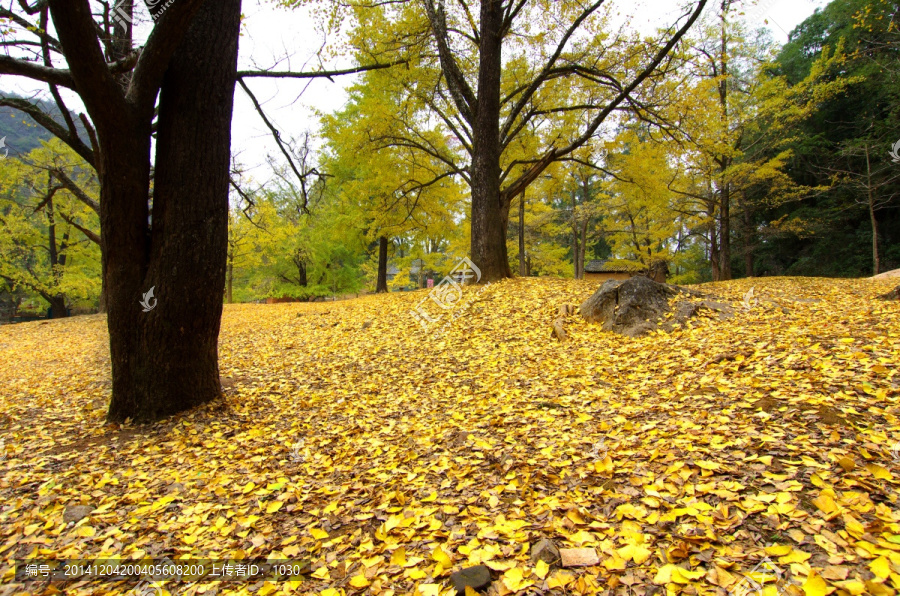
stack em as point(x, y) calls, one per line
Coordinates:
point(325, 74)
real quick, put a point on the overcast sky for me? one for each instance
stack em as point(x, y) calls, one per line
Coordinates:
point(273, 35)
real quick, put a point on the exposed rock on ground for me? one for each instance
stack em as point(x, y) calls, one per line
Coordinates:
point(639, 305)
point(892, 295)
point(888, 275)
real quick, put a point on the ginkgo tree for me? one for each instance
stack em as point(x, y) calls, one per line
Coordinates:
point(48, 235)
point(641, 212)
point(733, 117)
point(491, 70)
point(401, 194)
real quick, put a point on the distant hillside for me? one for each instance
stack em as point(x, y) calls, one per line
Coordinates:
point(24, 134)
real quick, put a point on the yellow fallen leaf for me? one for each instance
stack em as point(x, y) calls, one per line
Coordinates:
point(815, 585)
point(429, 589)
point(615, 562)
point(441, 557)
point(825, 502)
point(879, 472)
point(319, 534)
point(795, 556)
point(560, 579)
point(541, 569)
point(398, 557)
point(359, 581)
point(274, 506)
point(321, 573)
point(514, 579)
point(881, 567)
point(778, 550)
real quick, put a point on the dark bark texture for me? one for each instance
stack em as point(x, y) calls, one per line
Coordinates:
point(488, 221)
point(381, 284)
point(166, 360)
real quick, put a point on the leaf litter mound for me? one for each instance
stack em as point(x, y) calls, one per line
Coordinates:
point(387, 458)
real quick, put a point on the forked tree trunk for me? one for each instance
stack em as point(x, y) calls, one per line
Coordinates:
point(166, 360)
point(381, 283)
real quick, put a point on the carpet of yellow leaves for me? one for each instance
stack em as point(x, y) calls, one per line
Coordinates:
point(388, 458)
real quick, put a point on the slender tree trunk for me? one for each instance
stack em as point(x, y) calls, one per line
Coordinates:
point(166, 360)
point(575, 236)
point(584, 227)
point(522, 270)
point(876, 258)
point(725, 234)
point(230, 277)
point(381, 285)
point(58, 301)
point(488, 224)
point(724, 161)
point(714, 253)
point(748, 233)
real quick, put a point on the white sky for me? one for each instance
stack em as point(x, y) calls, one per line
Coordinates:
point(272, 35)
point(271, 32)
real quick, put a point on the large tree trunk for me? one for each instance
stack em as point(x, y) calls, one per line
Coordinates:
point(488, 223)
point(58, 308)
point(381, 284)
point(103, 302)
point(166, 360)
